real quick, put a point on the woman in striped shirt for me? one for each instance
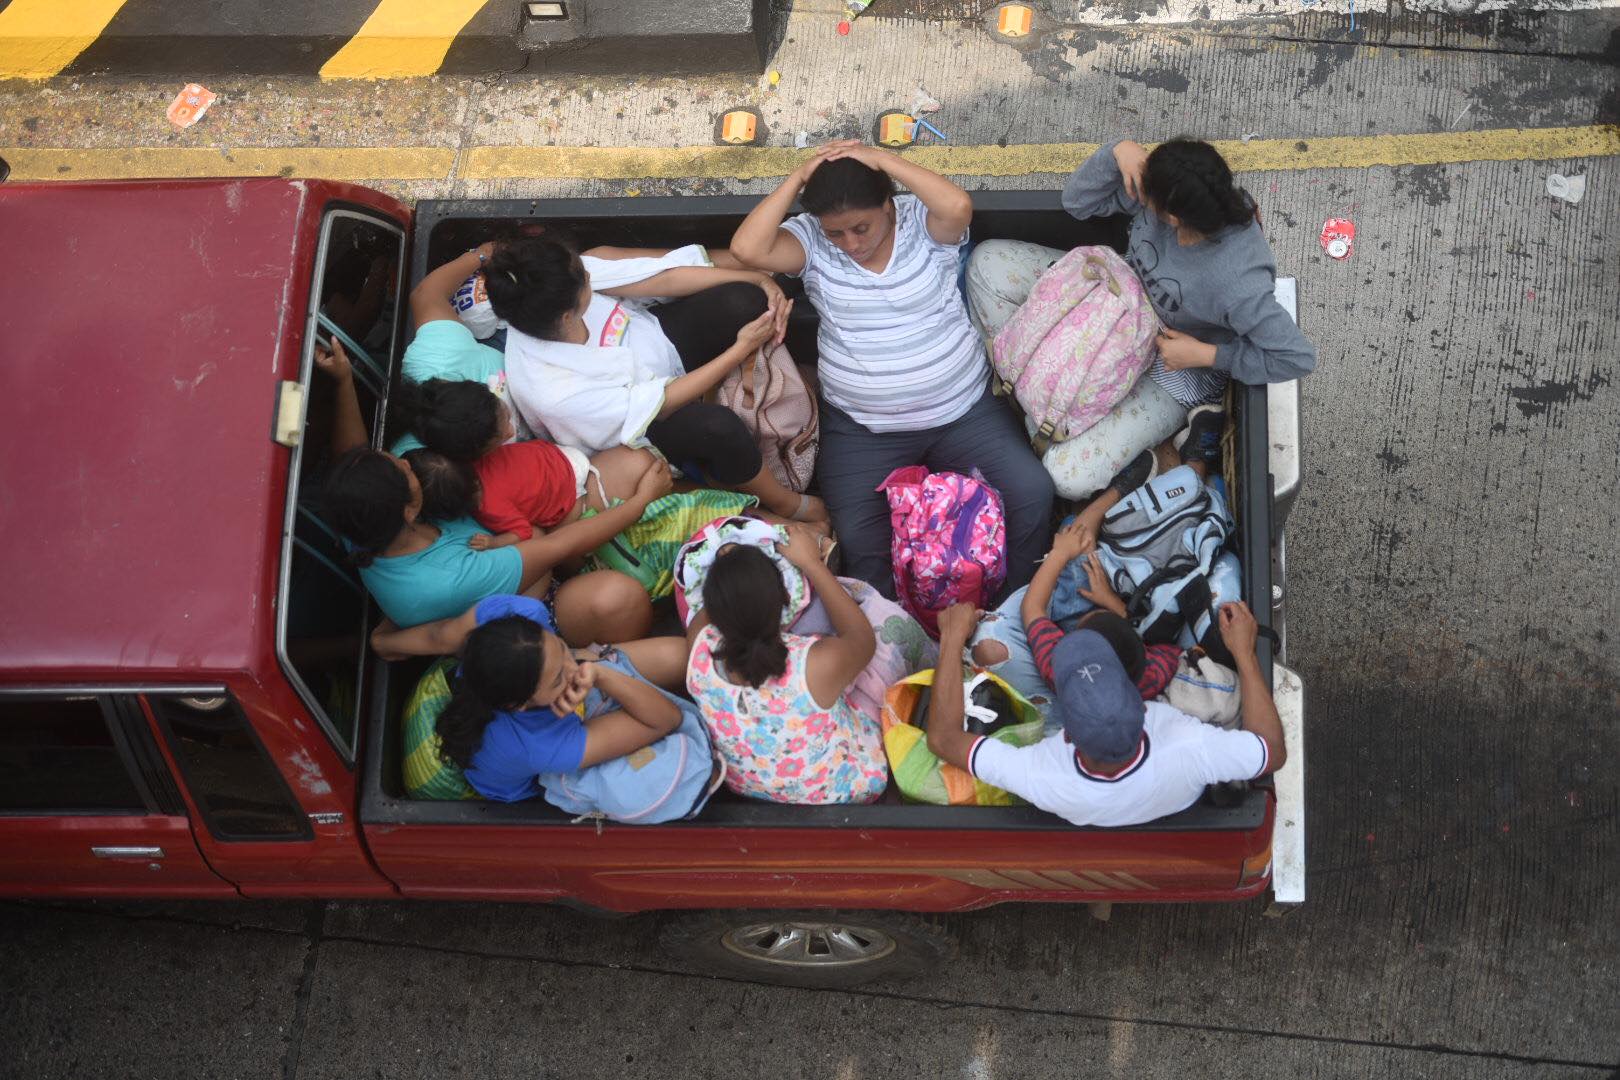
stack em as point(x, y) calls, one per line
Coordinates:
point(904, 376)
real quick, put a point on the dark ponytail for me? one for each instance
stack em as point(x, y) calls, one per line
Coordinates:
point(845, 184)
point(533, 283)
point(458, 418)
point(449, 488)
point(501, 665)
point(1191, 180)
point(364, 498)
point(744, 597)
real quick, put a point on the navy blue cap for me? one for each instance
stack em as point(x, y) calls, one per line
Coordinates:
point(1101, 708)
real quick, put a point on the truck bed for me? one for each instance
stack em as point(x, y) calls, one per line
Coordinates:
point(444, 228)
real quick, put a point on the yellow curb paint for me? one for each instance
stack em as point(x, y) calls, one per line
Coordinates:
point(767, 162)
point(402, 38)
point(334, 163)
point(1258, 155)
point(38, 38)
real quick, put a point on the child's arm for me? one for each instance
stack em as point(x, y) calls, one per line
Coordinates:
point(686, 280)
point(834, 661)
point(348, 427)
point(1099, 590)
point(486, 542)
point(542, 553)
point(443, 637)
point(430, 300)
point(946, 706)
point(1069, 543)
point(643, 717)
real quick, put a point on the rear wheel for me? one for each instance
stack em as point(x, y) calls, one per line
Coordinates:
point(826, 949)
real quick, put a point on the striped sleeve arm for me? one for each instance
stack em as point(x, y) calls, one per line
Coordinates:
point(1043, 635)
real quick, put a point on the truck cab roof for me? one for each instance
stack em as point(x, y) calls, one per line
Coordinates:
point(143, 494)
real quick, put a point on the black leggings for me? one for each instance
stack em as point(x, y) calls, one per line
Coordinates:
point(705, 324)
point(708, 437)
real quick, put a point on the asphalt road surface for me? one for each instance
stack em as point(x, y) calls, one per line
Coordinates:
point(1453, 584)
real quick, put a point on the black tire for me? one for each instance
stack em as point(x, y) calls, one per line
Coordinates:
point(819, 949)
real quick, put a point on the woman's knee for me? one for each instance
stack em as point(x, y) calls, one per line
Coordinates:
point(602, 606)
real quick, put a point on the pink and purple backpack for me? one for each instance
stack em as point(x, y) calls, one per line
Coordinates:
point(1077, 345)
point(949, 540)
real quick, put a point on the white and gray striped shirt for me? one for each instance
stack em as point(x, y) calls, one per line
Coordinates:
point(897, 350)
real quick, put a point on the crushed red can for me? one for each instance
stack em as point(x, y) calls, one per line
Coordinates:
point(1338, 237)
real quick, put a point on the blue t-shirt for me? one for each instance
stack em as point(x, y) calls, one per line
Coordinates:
point(446, 349)
point(519, 746)
point(444, 579)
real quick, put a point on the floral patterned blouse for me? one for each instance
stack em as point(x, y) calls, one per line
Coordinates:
point(778, 743)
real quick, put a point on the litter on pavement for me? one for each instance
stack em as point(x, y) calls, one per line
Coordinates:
point(189, 105)
point(1338, 237)
point(1568, 188)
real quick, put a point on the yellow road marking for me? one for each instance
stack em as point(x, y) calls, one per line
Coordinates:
point(38, 38)
point(1260, 155)
point(402, 38)
point(752, 163)
point(334, 163)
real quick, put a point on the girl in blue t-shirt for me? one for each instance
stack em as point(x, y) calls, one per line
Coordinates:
point(419, 570)
point(515, 711)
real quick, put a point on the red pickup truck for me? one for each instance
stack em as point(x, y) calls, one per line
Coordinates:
point(188, 707)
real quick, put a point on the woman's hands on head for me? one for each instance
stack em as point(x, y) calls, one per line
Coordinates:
point(1132, 162)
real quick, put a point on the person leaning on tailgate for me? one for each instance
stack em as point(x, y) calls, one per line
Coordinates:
point(1118, 760)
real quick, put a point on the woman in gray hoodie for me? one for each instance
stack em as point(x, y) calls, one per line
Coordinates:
point(1195, 242)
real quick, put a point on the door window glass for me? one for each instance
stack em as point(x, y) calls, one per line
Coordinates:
point(325, 611)
point(57, 753)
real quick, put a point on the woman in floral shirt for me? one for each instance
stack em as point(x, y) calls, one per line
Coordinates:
point(778, 704)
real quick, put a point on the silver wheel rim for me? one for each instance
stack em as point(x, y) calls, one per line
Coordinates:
point(802, 944)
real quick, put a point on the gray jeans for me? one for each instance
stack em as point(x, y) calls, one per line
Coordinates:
point(988, 437)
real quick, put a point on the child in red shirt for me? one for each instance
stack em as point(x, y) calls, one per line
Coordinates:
point(512, 488)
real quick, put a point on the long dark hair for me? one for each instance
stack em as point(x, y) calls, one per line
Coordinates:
point(364, 498)
point(744, 597)
point(458, 418)
point(1191, 180)
point(449, 488)
point(501, 664)
point(845, 184)
point(533, 283)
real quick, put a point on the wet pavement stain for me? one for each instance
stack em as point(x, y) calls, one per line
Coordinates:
point(1159, 79)
point(1535, 400)
point(1329, 58)
point(1428, 182)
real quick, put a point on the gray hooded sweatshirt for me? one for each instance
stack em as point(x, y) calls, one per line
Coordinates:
point(1220, 290)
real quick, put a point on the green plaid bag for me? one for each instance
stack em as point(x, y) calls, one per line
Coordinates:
point(646, 550)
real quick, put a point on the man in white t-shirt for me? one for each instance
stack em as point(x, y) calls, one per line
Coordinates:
point(1118, 760)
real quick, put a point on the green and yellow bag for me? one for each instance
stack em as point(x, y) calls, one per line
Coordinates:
point(922, 777)
point(428, 775)
point(646, 550)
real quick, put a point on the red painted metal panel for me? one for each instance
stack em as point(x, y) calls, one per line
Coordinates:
point(624, 868)
point(51, 856)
